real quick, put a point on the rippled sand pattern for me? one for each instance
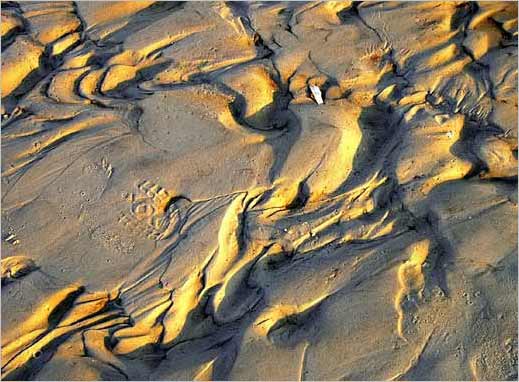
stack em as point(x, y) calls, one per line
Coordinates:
point(259, 191)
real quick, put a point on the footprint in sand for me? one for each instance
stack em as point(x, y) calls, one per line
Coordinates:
point(154, 211)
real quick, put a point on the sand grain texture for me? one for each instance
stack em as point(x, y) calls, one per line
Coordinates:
point(259, 191)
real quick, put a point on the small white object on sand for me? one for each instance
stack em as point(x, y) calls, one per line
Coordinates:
point(316, 92)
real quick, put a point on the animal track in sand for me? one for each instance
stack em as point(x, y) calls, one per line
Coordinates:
point(154, 213)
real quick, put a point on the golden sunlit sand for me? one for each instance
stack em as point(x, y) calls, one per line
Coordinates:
point(259, 190)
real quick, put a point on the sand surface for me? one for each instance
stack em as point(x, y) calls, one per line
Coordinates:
point(259, 191)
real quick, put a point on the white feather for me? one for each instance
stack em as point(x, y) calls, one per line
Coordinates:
point(316, 92)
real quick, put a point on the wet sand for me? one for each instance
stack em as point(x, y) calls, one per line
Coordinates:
point(259, 191)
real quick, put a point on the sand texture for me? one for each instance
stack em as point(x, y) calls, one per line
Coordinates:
point(259, 191)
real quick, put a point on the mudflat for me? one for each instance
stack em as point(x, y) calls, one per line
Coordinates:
point(259, 190)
